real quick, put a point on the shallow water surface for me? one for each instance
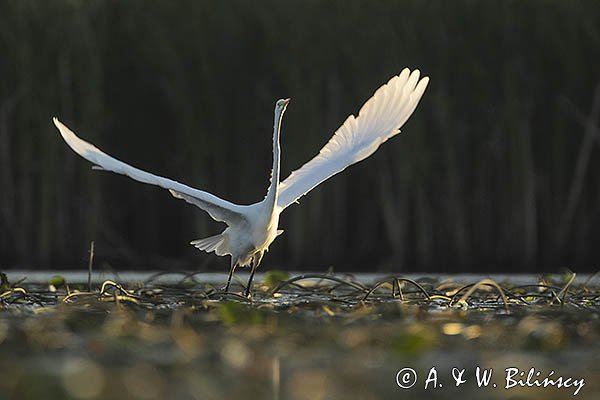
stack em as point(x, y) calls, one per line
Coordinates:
point(312, 336)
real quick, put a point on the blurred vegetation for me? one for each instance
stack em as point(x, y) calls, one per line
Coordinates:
point(497, 170)
point(327, 338)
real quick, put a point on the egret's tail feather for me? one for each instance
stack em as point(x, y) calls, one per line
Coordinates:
point(213, 243)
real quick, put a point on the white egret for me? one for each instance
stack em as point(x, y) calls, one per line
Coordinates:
point(252, 228)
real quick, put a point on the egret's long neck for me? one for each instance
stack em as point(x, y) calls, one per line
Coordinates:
point(274, 187)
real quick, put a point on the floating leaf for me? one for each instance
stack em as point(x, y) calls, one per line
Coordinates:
point(4, 284)
point(273, 278)
point(57, 281)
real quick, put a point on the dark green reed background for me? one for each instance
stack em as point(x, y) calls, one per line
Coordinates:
point(497, 170)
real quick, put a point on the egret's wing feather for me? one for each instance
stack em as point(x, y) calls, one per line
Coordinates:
point(217, 208)
point(379, 119)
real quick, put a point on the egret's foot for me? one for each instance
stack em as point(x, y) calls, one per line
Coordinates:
point(225, 288)
point(248, 292)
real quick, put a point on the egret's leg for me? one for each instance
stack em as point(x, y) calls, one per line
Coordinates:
point(255, 262)
point(231, 270)
point(249, 286)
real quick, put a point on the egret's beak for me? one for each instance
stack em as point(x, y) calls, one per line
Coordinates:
point(286, 102)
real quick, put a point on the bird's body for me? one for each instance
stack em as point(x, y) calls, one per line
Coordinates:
point(252, 228)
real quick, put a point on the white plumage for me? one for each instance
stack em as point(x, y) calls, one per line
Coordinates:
point(252, 228)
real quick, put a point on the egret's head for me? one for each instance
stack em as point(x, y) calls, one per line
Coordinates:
point(282, 104)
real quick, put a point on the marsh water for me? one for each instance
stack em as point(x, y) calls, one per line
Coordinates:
point(300, 336)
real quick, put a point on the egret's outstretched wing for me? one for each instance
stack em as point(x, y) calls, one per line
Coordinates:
point(217, 208)
point(379, 119)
